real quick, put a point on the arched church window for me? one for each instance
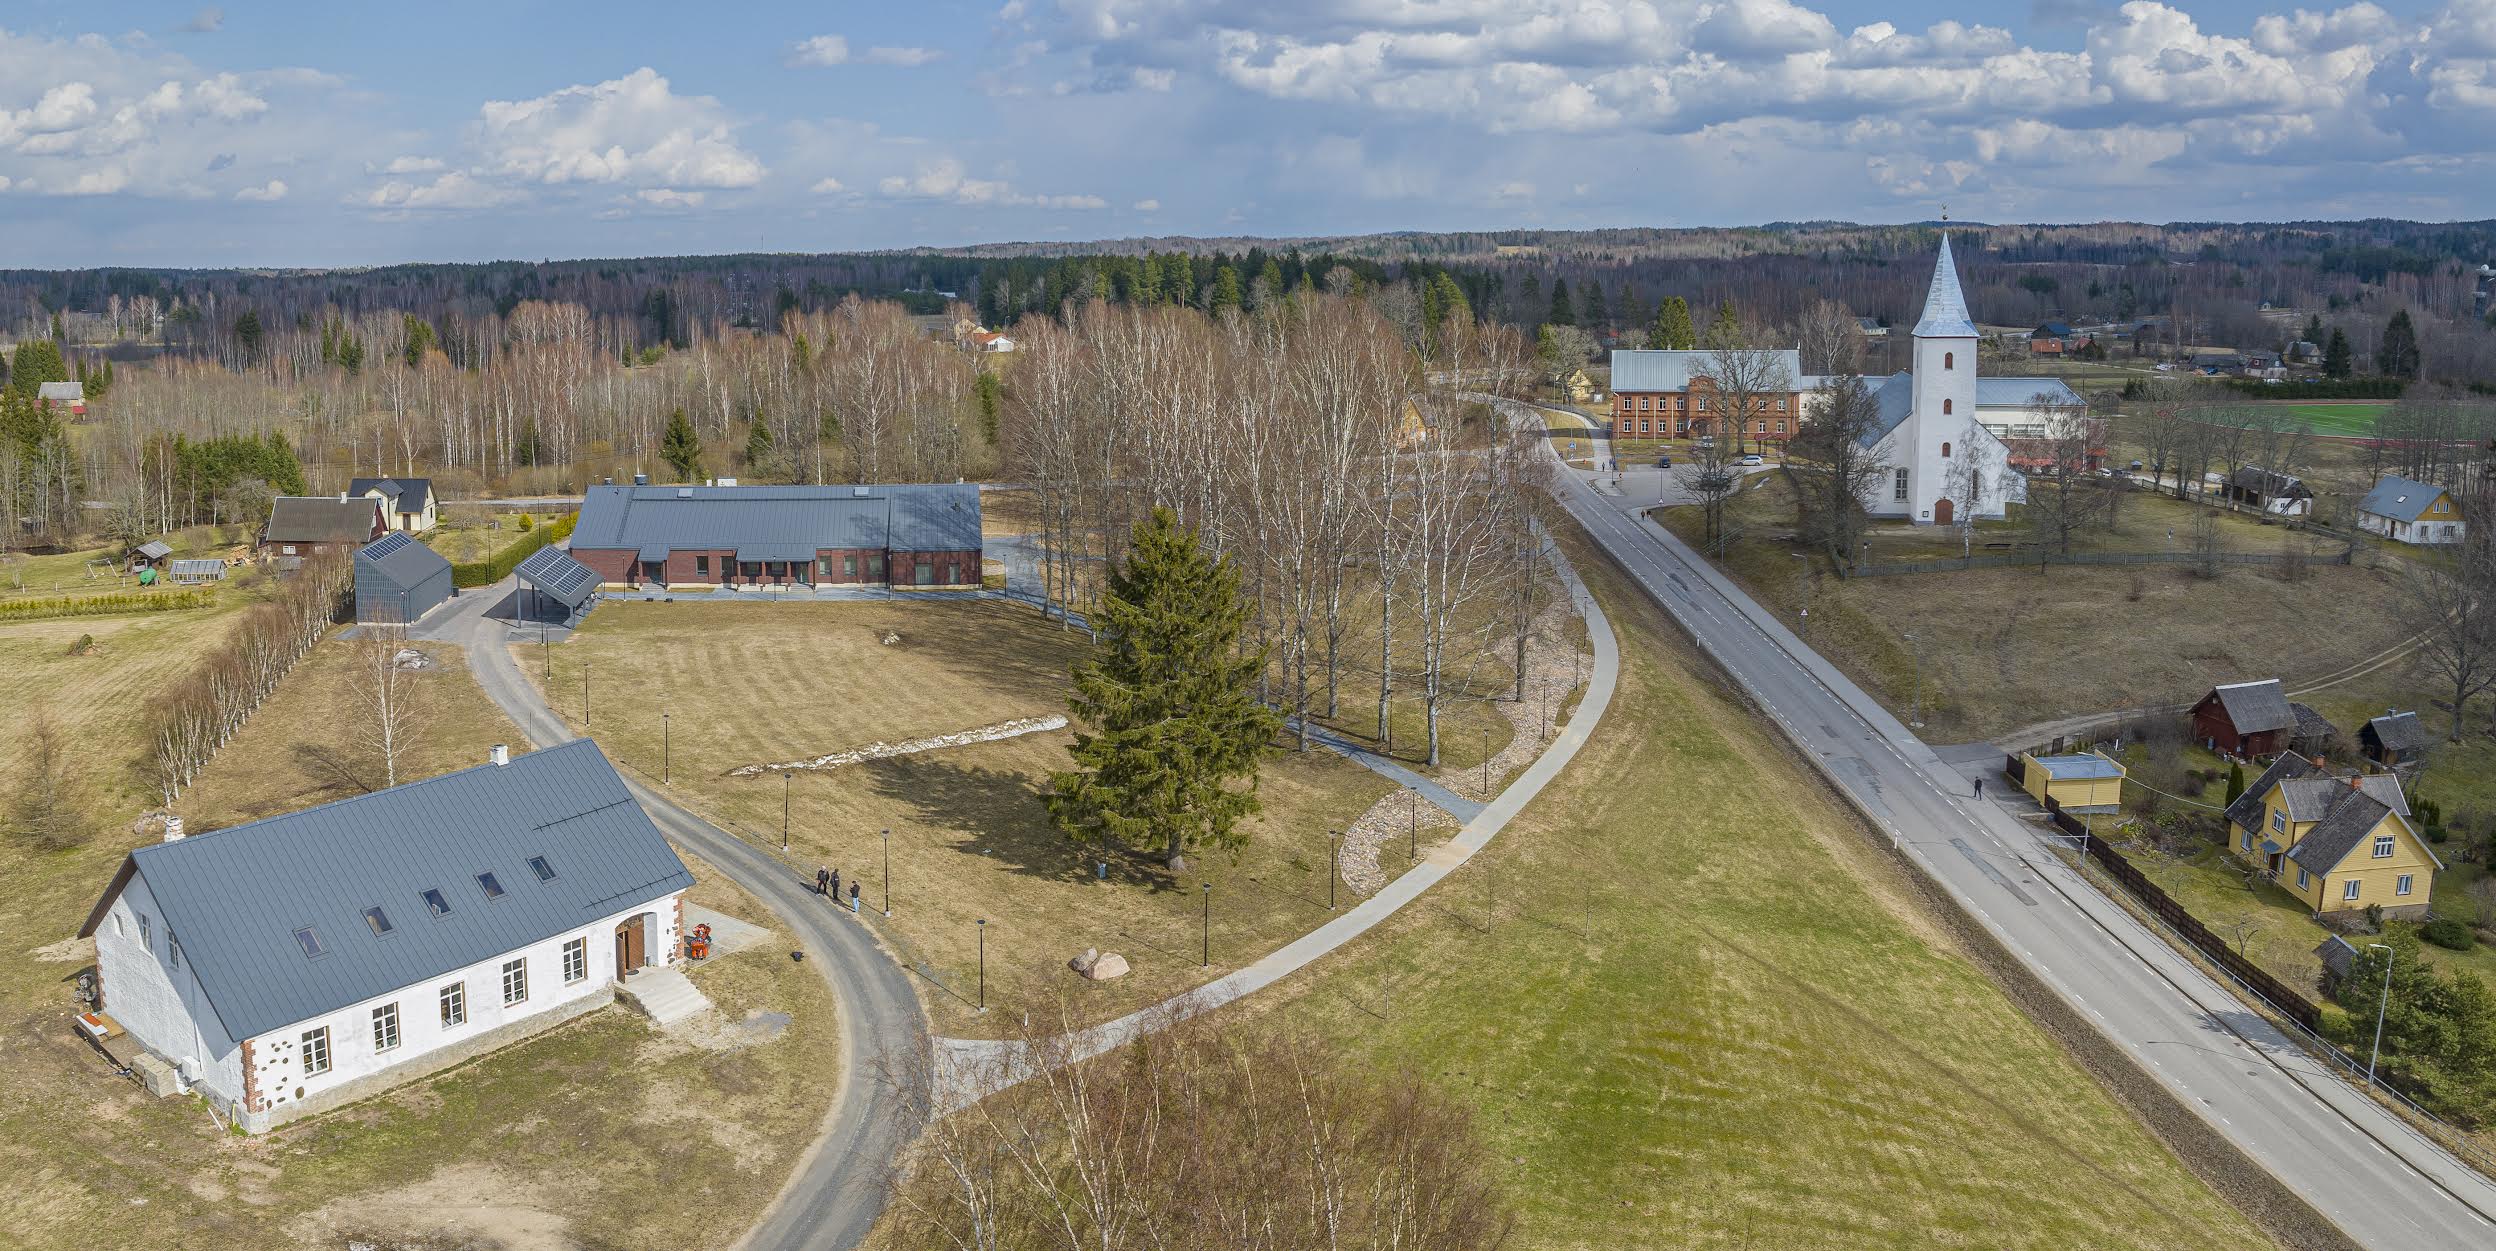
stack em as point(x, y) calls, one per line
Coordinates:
point(1949, 360)
point(1945, 451)
point(1945, 408)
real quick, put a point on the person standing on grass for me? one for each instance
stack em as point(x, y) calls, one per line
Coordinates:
point(853, 899)
point(836, 887)
point(823, 880)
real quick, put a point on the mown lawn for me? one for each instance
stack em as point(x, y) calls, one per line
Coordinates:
point(752, 682)
point(1694, 1007)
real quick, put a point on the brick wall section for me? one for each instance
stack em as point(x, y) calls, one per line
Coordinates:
point(252, 1102)
point(716, 568)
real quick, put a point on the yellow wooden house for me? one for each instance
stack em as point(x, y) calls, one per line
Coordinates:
point(2341, 843)
point(2406, 510)
point(2087, 783)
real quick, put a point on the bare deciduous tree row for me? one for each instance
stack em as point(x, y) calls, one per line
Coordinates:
point(203, 712)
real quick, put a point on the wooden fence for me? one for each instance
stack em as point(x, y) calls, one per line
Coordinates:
point(2155, 898)
point(1860, 570)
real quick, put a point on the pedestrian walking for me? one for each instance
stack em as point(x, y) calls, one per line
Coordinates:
point(823, 880)
point(1980, 788)
point(853, 898)
point(836, 886)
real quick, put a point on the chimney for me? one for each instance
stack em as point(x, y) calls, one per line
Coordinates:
point(641, 479)
point(501, 755)
point(173, 829)
point(342, 497)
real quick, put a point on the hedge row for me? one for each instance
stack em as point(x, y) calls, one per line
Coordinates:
point(111, 603)
point(497, 567)
point(2330, 389)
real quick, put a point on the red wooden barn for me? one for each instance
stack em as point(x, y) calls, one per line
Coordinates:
point(2245, 719)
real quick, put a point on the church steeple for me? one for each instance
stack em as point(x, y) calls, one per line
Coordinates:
point(1945, 306)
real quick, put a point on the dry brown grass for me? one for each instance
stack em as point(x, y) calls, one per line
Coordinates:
point(2004, 648)
point(747, 683)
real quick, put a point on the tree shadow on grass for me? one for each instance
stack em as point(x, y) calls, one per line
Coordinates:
point(998, 814)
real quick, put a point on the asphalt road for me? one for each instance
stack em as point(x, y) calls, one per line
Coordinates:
point(2385, 1184)
point(834, 1194)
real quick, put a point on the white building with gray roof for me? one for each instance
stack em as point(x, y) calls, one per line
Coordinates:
point(294, 964)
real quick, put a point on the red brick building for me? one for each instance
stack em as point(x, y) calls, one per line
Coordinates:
point(1669, 395)
point(916, 536)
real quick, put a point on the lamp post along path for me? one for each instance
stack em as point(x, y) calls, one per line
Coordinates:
point(2383, 1001)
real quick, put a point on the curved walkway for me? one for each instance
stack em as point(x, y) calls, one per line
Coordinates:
point(969, 1069)
point(836, 1190)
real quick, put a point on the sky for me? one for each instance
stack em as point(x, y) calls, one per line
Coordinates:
point(279, 134)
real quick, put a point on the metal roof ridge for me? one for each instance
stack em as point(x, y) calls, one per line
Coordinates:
point(401, 788)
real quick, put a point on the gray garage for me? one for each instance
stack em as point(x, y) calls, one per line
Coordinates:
point(398, 580)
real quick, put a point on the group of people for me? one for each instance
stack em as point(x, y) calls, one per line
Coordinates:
point(828, 885)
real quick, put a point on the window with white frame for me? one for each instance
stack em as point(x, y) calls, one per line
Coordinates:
point(147, 932)
point(2383, 847)
point(2401, 885)
point(454, 1004)
point(1901, 489)
point(316, 1052)
point(386, 1027)
point(575, 960)
point(2349, 889)
point(515, 980)
point(2301, 879)
point(2247, 841)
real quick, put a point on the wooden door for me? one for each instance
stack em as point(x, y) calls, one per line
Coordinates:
point(627, 948)
point(1941, 511)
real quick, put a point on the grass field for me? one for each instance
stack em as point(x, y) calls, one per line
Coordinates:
point(2003, 648)
point(1701, 1010)
point(2340, 418)
point(758, 683)
point(627, 1139)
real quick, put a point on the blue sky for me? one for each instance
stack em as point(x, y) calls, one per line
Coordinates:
point(282, 134)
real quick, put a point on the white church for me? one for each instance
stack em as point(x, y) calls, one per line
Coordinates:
point(1941, 428)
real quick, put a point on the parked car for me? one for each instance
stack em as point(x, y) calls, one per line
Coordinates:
point(1752, 459)
point(1664, 462)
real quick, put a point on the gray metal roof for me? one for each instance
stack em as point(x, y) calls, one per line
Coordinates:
point(2247, 810)
point(1945, 305)
point(793, 521)
point(2400, 499)
point(234, 898)
point(558, 576)
point(61, 391)
point(2399, 731)
point(398, 561)
point(2253, 707)
point(2353, 815)
point(2265, 482)
point(1653, 370)
point(2018, 392)
point(155, 549)
point(2079, 768)
point(321, 519)
point(407, 495)
point(199, 569)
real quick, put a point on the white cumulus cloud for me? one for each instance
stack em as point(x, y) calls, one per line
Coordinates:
point(273, 189)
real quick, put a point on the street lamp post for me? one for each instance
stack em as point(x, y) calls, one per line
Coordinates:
point(666, 752)
point(1805, 557)
point(1412, 824)
point(888, 873)
point(983, 964)
point(2382, 1002)
point(584, 694)
point(785, 775)
point(1486, 762)
point(1206, 960)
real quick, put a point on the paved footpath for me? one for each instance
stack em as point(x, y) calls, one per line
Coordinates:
point(835, 1192)
point(968, 1069)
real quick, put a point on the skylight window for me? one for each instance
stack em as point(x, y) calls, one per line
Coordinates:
point(310, 940)
point(545, 872)
point(492, 888)
point(378, 920)
point(435, 903)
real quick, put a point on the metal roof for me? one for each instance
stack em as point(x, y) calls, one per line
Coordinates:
point(1945, 305)
point(198, 569)
point(409, 494)
point(1646, 369)
point(2253, 707)
point(2400, 499)
point(155, 549)
point(61, 391)
point(321, 519)
point(399, 562)
point(234, 898)
point(2399, 731)
point(654, 520)
point(558, 576)
point(2079, 768)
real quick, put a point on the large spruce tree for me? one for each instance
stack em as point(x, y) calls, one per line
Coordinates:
point(1169, 706)
point(681, 448)
point(2397, 357)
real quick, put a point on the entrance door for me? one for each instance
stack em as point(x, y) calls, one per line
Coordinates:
point(627, 948)
point(1941, 512)
point(2274, 863)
